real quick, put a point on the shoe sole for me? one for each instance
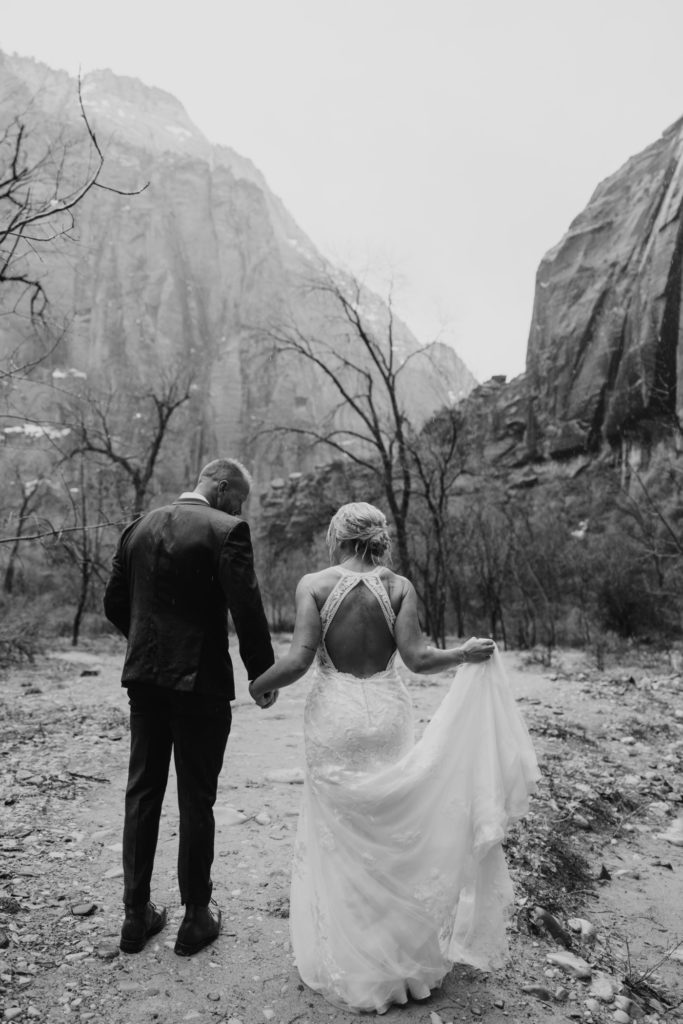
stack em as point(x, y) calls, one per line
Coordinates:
point(137, 946)
point(184, 949)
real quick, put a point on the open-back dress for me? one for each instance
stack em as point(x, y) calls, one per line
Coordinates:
point(398, 868)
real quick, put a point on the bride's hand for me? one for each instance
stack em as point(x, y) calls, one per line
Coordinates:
point(264, 700)
point(477, 649)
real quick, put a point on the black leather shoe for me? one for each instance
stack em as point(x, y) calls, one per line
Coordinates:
point(139, 924)
point(199, 927)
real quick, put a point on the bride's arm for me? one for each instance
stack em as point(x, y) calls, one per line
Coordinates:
point(301, 651)
point(418, 655)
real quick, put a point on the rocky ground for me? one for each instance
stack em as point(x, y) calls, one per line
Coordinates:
point(597, 864)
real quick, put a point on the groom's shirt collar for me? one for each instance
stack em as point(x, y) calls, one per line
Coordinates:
point(194, 495)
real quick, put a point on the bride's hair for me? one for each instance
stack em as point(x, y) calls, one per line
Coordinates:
point(365, 526)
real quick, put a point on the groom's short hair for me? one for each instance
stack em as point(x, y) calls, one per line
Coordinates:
point(226, 469)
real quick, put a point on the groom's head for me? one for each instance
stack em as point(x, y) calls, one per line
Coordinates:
point(226, 484)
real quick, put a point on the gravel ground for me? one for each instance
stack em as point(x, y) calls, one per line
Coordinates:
point(603, 844)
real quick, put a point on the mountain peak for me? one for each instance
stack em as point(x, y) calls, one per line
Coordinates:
point(150, 117)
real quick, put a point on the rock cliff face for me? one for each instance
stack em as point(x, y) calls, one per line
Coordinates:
point(191, 272)
point(604, 374)
point(604, 354)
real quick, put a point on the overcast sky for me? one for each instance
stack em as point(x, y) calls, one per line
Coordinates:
point(447, 143)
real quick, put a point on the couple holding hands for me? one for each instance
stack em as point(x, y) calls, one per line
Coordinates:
point(398, 870)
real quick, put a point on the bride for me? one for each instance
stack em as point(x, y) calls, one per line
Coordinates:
point(398, 869)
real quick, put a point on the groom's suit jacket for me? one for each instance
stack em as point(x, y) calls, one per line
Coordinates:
point(176, 573)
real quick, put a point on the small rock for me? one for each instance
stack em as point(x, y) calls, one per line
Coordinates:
point(268, 1014)
point(107, 950)
point(12, 1012)
point(213, 996)
point(593, 1005)
point(539, 991)
point(262, 818)
point(582, 822)
point(576, 966)
point(543, 919)
point(4, 939)
point(674, 834)
point(83, 909)
point(231, 816)
point(602, 987)
point(8, 905)
point(561, 994)
point(499, 1004)
point(623, 1003)
point(620, 1017)
point(587, 931)
point(476, 1011)
point(114, 873)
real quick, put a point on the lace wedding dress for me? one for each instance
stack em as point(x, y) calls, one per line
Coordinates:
point(398, 867)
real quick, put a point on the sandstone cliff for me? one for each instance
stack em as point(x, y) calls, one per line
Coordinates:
point(191, 273)
point(604, 354)
point(604, 373)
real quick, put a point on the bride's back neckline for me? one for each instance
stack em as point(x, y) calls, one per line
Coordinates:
point(358, 572)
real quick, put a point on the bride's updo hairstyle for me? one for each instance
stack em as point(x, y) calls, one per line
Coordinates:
point(365, 527)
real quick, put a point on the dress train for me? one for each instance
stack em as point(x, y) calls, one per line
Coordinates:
point(398, 867)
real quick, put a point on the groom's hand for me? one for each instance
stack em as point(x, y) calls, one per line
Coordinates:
point(265, 700)
point(268, 699)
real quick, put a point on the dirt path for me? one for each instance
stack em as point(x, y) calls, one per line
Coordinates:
point(611, 748)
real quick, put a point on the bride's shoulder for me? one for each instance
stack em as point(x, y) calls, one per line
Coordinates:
point(388, 574)
point(397, 586)
point(318, 583)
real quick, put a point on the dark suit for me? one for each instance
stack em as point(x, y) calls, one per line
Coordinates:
point(176, 573)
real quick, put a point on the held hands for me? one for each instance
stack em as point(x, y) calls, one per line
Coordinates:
point(476, 649)
point(264, 700)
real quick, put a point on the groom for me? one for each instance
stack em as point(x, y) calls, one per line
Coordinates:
point(176, 573)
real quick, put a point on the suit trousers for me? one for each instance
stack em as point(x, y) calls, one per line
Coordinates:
point(195, 727)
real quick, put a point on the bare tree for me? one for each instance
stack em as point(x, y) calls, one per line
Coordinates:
point(31, 494)
point(437, 464)
point(104, 428)
point(360, 359)
point(38, 197)
point(490, 547)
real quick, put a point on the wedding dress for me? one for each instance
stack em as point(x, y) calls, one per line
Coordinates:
point(398, 868)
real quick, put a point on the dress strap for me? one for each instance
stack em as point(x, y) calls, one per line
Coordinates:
point(347, 582)
point(374, 584)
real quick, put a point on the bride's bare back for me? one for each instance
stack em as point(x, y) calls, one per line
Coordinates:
point(359, 640)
